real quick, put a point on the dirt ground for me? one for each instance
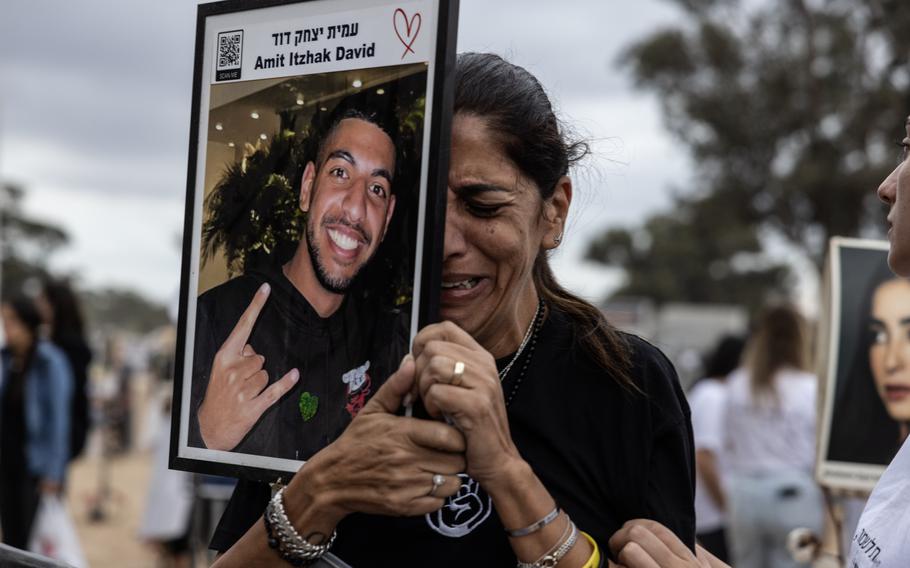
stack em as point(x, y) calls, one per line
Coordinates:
point(108, 526)
point(111, 540)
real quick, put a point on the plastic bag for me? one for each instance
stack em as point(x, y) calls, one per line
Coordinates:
point(54, 535)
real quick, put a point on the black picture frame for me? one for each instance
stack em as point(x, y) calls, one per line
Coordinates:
point(434, 159)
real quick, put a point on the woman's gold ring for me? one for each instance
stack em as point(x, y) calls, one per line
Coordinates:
point(457, 373)
point(438, 481)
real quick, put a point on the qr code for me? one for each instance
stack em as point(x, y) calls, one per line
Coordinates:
point(230, 46)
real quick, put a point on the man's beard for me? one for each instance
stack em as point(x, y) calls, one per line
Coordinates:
point(339, 284)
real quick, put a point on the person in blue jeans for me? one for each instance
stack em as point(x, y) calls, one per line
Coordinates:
point(36, 389)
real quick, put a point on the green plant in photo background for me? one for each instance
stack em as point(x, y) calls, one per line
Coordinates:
point(253, 210)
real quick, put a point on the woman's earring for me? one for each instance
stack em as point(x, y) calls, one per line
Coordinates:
point(557, 239)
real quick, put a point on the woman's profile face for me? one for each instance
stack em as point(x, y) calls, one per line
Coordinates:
point(889, 351)
point(895, 191)
point(495, 226)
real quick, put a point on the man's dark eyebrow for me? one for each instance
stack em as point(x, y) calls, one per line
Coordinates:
point(342, 154)
point(348, 157)
point(382, 172)
point(905, 321)
point(472, 189)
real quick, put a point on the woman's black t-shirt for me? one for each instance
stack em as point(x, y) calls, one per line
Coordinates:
point(606, 455)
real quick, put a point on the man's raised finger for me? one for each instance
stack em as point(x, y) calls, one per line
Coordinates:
point(241, 333)
point(278, 389)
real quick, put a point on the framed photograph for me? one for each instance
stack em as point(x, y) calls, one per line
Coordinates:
point(865, 406)
point(313, 234)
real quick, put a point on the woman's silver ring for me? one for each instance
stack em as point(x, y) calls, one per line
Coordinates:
point(457, 374)
point(438, 481)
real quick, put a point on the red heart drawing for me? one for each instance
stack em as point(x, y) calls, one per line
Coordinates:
point(411, 31)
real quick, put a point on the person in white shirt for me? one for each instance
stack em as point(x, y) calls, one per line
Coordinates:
point(707, 400)
point(882, 537)
point(769, 428)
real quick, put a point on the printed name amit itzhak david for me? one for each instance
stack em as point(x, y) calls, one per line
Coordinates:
point(310, 57)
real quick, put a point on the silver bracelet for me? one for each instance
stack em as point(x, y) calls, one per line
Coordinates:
point(552, 558)
point(289, 543)
point(549, 518)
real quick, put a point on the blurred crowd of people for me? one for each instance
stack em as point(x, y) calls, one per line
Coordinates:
point(754, 422)
point(44, 417)
point(50, 404)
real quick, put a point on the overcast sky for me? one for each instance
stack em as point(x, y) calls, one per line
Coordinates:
point(95, 112)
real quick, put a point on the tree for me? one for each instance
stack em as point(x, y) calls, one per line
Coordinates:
point(25, 243)
point(25, 246)
point(118, 309)
point(790, 110)
point(696, 253)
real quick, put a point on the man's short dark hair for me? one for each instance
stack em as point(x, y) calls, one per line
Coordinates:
point(370, 117)
point(322, 134)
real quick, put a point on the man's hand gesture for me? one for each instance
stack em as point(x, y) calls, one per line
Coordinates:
point(236, 395)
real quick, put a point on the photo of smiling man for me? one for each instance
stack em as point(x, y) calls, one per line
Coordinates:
point(288, 353)
point(312, 235)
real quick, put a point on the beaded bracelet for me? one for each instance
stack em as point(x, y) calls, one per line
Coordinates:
point(284, 538)
point(552, 558)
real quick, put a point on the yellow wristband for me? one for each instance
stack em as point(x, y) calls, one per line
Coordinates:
point(594, 560)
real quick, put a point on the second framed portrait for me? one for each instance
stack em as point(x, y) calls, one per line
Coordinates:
point(311, 239)
point(866, 407)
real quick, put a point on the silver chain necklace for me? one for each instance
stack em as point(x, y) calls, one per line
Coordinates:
point(521, 347)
